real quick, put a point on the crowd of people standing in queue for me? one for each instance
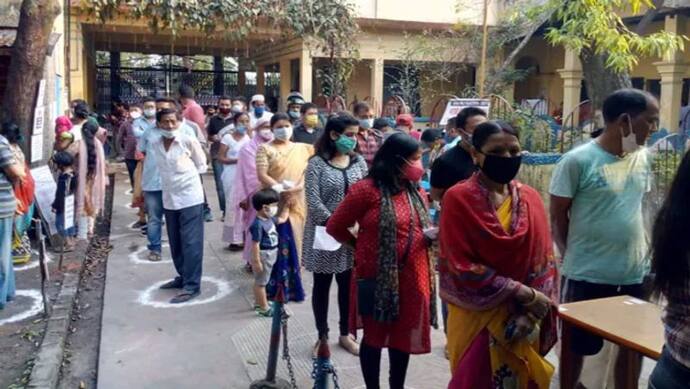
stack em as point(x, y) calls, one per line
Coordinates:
point(341, 197)
point(79, 167)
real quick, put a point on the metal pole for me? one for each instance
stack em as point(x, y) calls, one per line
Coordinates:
point(275, 342)
point(271, 382)
point(485, 38)
point(42, 264)
point(323, 366)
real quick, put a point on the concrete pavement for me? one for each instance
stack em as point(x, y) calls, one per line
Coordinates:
point(216, 340)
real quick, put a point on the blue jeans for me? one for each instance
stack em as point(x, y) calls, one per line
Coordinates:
point(186, 235)
point(7, 286)
point(669, 373)
point(217, 172)
point(154, 209)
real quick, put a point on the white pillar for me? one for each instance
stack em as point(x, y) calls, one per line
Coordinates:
point(305, 75)
point(376, 87)
point(284, 83)
point(572, 86)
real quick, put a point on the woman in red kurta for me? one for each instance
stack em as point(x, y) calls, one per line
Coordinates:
point(393, 293)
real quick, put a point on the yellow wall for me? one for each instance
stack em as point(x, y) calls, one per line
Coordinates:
point(359, 87)
point(547, 83)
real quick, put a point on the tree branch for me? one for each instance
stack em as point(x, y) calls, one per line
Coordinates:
point(514, 53)
point(649, 17)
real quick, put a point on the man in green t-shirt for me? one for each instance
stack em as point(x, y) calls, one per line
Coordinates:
point(596, 215)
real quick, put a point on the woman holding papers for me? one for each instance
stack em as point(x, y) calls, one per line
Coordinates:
point(395, 278)
point(330, 173)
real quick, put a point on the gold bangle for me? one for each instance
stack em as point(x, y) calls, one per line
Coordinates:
point(533, 300)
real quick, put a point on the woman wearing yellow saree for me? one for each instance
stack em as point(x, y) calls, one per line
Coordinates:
point(498, 272)
point(280, 164)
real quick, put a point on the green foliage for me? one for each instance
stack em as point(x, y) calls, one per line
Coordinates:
point(597, 26)
point(326, 25)
point(535, 132)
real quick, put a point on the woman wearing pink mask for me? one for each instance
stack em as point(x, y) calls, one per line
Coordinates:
point(245, 185)
point(391, 260)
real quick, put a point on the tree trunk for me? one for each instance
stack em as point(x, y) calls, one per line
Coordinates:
point(28, 59)
point(600, 80)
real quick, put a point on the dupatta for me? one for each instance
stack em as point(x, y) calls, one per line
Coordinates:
point(481, 266)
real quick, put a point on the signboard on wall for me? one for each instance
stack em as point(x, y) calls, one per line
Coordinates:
point(39, 120)
point(454, 107)
point(45, 195)
point(36, 148)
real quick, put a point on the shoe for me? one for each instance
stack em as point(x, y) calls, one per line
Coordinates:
point(154, 256)
point(184, 297)
point(208, 216)
point(349, 344)
point(139, 224)
point(174, 284)
point(268, 312)
point(236, 247)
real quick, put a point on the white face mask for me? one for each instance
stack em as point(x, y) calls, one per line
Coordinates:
point(135, 115)
point(150, 112)
point(266, 134)
point(272, 211)
point(629, 142)
point(169, 134)
point(283, 133)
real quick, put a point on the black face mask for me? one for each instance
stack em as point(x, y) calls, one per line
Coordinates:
point(501, 169)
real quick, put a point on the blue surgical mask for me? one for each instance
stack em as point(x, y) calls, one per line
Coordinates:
point(293, 114)
point(259, 111)
point(241, 130)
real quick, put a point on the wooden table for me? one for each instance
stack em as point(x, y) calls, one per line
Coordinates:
point(629, 322)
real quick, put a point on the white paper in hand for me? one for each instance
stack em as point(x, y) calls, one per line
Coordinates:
point(323, 241)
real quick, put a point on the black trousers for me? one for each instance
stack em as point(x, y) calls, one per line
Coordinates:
point(320, 298)
point(370, 361)
point(131, 167)
point(186, 236)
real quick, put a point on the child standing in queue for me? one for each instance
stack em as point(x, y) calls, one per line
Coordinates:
point(66, 187)
point(264, 250)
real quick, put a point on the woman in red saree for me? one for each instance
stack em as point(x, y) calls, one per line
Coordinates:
point(498, 272)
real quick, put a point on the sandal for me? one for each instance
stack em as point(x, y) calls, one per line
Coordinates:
point(315, 349)
point(349, 344)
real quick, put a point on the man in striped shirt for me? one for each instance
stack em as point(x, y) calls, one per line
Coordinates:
point(10, 172)
point(368, 139)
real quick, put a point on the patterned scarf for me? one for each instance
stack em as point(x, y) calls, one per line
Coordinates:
point(386, 294)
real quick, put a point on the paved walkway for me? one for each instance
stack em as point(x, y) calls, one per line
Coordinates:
point(215, 341)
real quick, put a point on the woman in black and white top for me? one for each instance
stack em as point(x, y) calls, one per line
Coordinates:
point(333, 169)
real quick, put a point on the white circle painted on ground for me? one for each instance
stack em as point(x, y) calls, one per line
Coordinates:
point(32, 263)
point(222, 289)
point(35, 308)
point(135, 257)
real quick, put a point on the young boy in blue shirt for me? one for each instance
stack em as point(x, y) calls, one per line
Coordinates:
point(264, 250)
